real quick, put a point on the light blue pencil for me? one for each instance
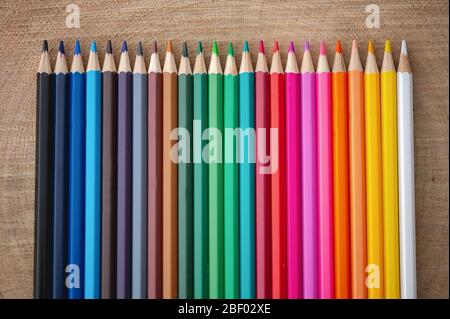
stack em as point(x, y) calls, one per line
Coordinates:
point(139, 176)
point(247, 176)
point(93, 175)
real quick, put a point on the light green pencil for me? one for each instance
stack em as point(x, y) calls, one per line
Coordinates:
point(216, 246)
point(231, 176)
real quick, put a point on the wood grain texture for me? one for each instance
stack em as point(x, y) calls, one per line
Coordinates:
point(23, 25)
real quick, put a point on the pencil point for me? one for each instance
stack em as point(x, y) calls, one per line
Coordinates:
point(370, 47)
point(354, 45)
point(184, 50)
point(404, 48)
point(124, 46)
point(93, 47)
point(169, 46)
point(215, 50)
point(61, 47)
point(323, 50)
point(77, 49)
point(246, 49)
point(261, 47)
point(276, 48)
point(109, 47)
point(230, 49)
point(387, 46)
point(338, 46)
point(291, 47)
point(139, 50)
point(44, 45)
point(199, 47)
point(306, 46)
point(155, 47)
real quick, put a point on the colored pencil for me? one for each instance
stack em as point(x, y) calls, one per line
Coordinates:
point(216, 231)
point(185, 183)
point(200, 115)
point(388, 82)
point(262, 190)
point(109, 175)
point(170, 205)
point(93, 175)
point(231, 177)
point(342, 270)
point(247, 176)
point(325, 176)
point(77, 134)
point(60, 173)
point(357, 180)
point(43, 236)
point(293, 176)
point(374, 267)
point(406, 176)
point(139, 177)
point(154, 258)
point(309, 177)
point(124, 172)
point(278, 177)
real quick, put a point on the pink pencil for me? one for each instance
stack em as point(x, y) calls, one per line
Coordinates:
point(325, 176)
point(309, 177)
point(293, 177)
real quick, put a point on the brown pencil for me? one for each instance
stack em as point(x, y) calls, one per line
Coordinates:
point(170, 207)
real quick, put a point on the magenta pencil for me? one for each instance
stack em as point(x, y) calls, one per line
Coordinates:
point(293, 180)
point(309, 177)
point(325, 176)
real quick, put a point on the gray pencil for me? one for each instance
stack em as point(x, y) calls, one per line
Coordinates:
point(139, 211)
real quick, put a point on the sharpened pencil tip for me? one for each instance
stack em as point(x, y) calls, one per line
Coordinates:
point(306, 46)
point(246, 48)
point(338, 46)
point(291, 47)
point(77, 49)
point(155, 47)
point(387, 46)
point(169, 46)
point(370, 47)
point(44, 45)
point(261, 47)
point(354, 45)
point(199, 47)
point(93, 47)
point(230, 49)
point(184, 50)
point(215, 49)
point(323, 50)
point(124, 46)
point(61, 47)
point(139, 49)
point(109, 47)
point(404, 48)
point(276, 47)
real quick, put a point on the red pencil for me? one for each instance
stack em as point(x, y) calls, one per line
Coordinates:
point(277, 147)
point(263, 238)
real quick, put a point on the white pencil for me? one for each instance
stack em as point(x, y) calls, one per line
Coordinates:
point(406, 177)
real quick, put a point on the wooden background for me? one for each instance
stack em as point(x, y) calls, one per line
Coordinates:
point(23, 25)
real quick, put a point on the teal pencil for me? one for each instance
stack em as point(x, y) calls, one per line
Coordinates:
point(200, 197)
point(185, 216)
point(247, 175)
point(231, 176)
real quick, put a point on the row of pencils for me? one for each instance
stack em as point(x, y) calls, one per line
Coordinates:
point(117, 218)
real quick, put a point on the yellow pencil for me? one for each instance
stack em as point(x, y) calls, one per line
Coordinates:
point(374, 280)
point(389, 174)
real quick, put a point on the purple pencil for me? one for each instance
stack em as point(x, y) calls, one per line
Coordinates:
point(125, 82)
point(309, 177)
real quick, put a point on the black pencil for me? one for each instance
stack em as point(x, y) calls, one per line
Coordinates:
point(43, 229)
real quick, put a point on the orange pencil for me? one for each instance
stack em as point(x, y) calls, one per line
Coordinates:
point(357, 174)
point(340, 177)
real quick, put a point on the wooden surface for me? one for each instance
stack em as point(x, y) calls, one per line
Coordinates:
point(23, 25)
